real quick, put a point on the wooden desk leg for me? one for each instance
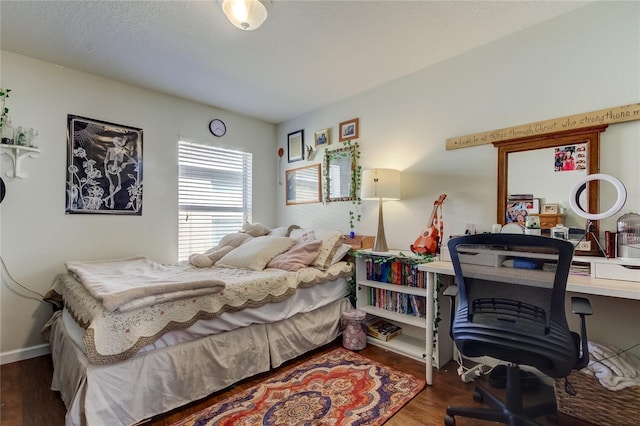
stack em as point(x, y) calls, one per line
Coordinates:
point(431, 311)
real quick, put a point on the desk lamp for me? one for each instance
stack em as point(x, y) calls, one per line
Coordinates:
point(381, 185)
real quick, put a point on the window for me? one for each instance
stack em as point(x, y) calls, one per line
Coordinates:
point(214, 195)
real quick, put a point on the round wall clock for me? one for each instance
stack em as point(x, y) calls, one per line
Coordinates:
point(217, 127)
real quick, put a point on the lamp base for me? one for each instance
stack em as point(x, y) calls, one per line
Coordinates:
point(380, 244)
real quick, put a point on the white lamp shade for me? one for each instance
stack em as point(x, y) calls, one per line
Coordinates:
point(245, 14)
point(380, 184)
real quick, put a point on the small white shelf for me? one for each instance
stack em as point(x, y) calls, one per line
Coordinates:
point(17, 153)
point(395, 316)
point(403, 345)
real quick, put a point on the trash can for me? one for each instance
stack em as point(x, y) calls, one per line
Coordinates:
point(354, 334)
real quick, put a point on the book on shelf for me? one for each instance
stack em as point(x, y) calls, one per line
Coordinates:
point(401, 303)
point(418, 305)
point(383, 330)
point(393, 271)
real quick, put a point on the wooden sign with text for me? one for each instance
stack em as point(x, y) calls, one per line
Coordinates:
point(603, 116)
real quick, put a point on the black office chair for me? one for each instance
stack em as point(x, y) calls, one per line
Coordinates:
point(511, 306)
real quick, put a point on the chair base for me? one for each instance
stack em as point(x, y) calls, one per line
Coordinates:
point(512, 410)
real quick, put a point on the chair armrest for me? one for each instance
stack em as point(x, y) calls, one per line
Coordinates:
point(451, 291)
point(581, 306)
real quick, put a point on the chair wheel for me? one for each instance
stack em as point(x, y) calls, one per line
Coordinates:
point(449, 420)
point(477, 396)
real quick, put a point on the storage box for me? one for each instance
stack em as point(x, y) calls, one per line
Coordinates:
point(481, 258)
point(383, 330)
point(596, 404)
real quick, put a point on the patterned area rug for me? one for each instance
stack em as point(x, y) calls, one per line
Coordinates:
point(336, 388)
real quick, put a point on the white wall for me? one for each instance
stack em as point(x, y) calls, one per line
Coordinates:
point(552, 70)
point(581, 62)
point(37, 237)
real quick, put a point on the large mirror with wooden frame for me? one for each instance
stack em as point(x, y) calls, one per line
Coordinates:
point(303, 185)
point(534, 165)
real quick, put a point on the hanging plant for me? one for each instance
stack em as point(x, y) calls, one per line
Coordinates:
point(356, 181)
point(4, 111)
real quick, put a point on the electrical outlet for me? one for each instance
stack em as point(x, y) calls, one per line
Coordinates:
point(584, 245)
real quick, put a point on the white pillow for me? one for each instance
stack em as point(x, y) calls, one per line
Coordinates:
point(256, 253)
point(331, 240)
point(283, 231)
point(340, 253)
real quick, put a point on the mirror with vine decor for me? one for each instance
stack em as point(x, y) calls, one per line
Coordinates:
point(339, 169)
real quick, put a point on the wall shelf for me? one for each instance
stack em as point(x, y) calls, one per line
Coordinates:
point(17, 153)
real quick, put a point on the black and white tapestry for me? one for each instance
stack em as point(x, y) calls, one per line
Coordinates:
point(104, 167)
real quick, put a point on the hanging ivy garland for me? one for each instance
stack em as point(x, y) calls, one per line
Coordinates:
point(350, 148)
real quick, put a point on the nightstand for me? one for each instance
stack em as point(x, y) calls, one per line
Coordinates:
point(359, 242)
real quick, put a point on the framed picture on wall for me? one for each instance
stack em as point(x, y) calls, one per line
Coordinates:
point(295, 144)
point(104, 167)
point(349, 129)
point(322, 137)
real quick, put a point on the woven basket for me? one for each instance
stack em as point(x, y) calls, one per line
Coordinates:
point(596, 404)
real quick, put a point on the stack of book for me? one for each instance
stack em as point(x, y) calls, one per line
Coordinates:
point(395, 272)
point(401, 303)
point(383, 330)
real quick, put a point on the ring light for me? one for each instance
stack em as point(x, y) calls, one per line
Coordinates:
point(582, 185)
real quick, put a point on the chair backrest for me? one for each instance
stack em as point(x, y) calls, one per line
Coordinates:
point(511, 303)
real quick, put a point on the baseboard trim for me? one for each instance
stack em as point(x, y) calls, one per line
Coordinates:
point(26, 353)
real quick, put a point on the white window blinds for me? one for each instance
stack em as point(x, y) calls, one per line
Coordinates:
point(214, 195)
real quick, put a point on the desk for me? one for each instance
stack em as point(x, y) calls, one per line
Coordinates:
point(575, 283)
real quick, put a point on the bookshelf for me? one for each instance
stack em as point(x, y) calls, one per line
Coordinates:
point(390, 286)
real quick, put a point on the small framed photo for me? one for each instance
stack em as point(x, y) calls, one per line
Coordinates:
point(322, 137)
point(295, 144)
point(550, 209)
point(349, 130)
point(533, 206)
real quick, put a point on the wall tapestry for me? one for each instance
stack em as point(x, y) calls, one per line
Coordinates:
point(104, 167)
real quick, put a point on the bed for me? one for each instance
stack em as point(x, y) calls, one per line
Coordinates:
point(124, 362)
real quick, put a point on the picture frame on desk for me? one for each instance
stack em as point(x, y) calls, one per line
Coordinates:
point(534, 206)
point(549, 209)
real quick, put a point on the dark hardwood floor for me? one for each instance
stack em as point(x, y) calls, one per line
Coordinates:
point(26, 399)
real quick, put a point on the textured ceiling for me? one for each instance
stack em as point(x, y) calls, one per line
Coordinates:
point(308, 54)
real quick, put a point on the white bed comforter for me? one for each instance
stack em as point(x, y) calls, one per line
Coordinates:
point(129, 283)
point(115, 336)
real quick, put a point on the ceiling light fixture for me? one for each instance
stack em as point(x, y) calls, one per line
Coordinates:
point(245, 14)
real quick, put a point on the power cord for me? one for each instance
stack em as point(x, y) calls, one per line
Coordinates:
point(18, 283)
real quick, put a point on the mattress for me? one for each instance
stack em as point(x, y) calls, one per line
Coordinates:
point(304, 300)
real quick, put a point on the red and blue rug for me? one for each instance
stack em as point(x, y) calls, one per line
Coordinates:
point(336, 388)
